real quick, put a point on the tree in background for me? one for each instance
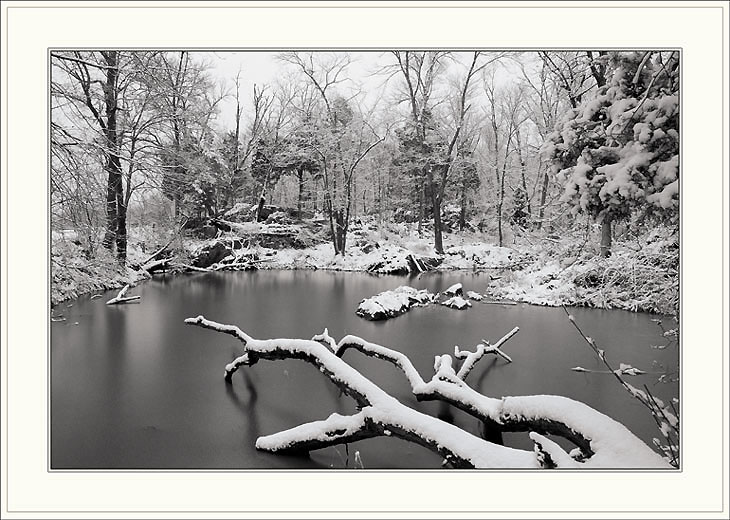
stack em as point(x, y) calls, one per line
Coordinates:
point(505, 113)
point(543, 103)
point(420, 72)
point(617, 152)
point(188, 102)
point(91, 83)
point(343, 136)
point(520, 214)
point(417, 152)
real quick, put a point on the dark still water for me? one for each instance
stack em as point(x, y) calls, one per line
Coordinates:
point(133, 387)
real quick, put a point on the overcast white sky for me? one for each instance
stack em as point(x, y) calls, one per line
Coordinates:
point(260, 67)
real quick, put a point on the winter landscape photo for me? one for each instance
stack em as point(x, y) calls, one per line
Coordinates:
point(364, 260)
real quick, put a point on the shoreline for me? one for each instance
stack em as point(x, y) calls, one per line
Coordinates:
point(500, 290)
point(539, 272)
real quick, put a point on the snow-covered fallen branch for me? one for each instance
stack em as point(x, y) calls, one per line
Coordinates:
point(603, 442)
point(471, 358)
point(121, 298)
point(156, 265)
point(379, 412)
point(188, 267)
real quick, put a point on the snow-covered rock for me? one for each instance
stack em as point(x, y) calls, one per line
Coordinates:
point(457, 302)
point(455, 290)
point(389, 304)
point(474, 296)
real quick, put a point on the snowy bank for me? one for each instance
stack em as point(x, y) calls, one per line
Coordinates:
point(72, 275)
point(539, 271)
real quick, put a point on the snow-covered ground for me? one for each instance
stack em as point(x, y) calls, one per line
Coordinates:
point(73, 275)
point(543, 272)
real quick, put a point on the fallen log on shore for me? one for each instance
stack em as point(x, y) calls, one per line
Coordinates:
point(157, 265)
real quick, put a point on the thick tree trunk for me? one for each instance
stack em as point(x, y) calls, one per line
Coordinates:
point(260, 207)
point(111, 210)
point(340, 232)
point(438, 243)
point(262, 198)
point(333, 227)
point(500, 203)
point(606, 237)
point(121, 232)
point(116, 209)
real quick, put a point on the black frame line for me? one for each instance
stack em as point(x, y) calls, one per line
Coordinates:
point(50, 51)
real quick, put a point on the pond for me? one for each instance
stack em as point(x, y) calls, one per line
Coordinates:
point(133, 387)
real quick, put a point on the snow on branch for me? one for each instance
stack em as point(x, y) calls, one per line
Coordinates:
point(590, 430)
point(382, 411)
point(121, 298)
point(471, 358)
point(550, 454)
point(326, 340)
point(603, 441)
point(336, 429)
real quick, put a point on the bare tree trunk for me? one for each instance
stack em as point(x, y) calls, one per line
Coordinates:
point(300, 198)
point(606, 237)
point(330, 210)
point(340, 232)
point(333, 232)
point(523, 168)
point(116, 209)
point(421, 202)
point(500, 182)
point(543, 197)
point(437, 234)
point(352, 199)
point(262, 197)
point(111, 209)
point(462, 213)
point(436, 206)
point(121, 233)
point(501, 202)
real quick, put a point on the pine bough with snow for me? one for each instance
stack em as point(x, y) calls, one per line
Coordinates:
point(601, 442)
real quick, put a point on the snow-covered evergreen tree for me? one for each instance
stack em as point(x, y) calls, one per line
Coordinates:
point(618, 151)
